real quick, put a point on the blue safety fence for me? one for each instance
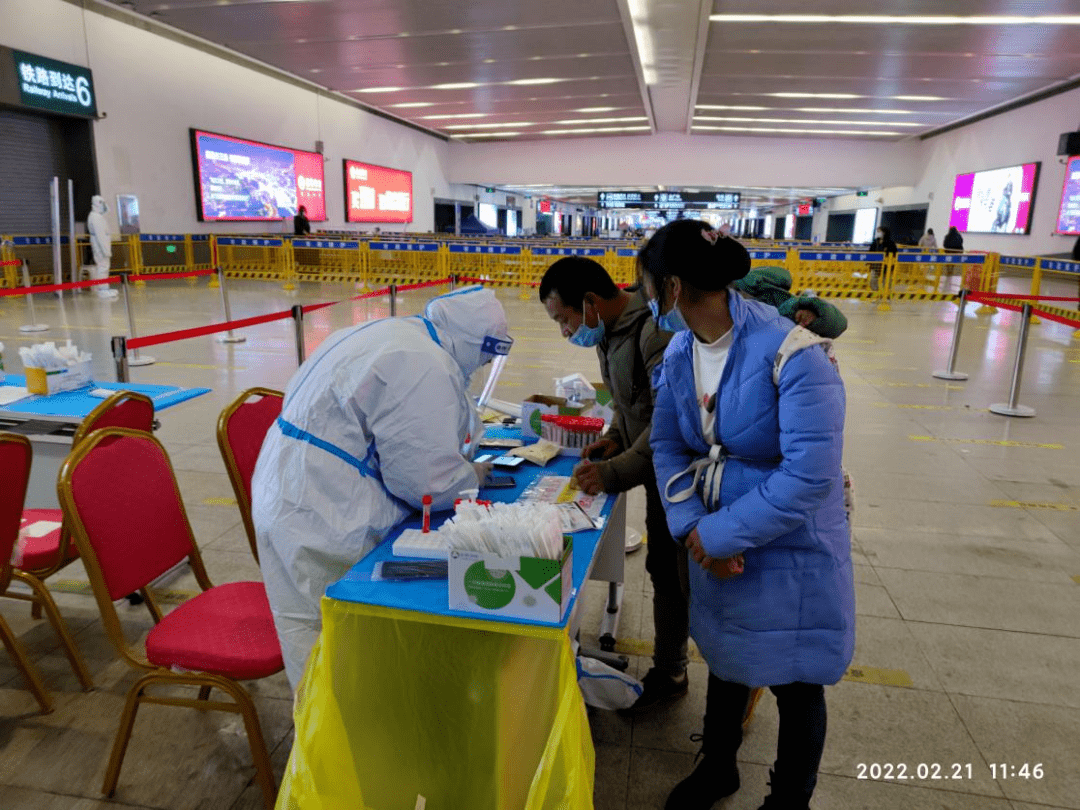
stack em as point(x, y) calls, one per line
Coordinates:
point(326, 244)
point(423, 247)
point(465, 247)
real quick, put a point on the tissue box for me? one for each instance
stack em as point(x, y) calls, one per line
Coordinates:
point(40, 381)
point(514, 587)
point(538, 405)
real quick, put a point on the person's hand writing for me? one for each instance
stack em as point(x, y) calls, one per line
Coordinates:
point(805, 317)
point(588, 478)
point(603, 448)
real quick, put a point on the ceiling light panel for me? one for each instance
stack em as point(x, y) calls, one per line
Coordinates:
point(895, 19)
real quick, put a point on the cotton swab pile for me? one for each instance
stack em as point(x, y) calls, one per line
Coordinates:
point(571, 431)
point(506, 529)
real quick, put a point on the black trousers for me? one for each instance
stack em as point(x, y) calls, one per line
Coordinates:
point(665, 560)
point(801, 740)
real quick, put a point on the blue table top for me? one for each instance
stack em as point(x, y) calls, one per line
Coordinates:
point(78, 404)
point(432, 596)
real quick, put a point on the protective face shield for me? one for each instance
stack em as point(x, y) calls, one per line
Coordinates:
point(98, 204)
point(473, 326)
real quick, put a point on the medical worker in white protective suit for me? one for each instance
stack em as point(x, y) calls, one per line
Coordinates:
point(374, 420)
point(100, 245)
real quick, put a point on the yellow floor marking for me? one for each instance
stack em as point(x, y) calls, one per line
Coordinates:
point(994, 442)
point(890, 384)
point(1076, 578)
point(509, 384)
point(160, 594)
point(1061, 507)
point(881, 677)
point(219, 501)
point(874, 675)
point(913, 407)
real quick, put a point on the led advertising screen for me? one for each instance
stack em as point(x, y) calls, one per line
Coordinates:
point(377, 194)
point(241, 180)
point(995, 200)
point(1068, 220)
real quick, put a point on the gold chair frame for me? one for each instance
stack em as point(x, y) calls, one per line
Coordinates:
point(155, 675)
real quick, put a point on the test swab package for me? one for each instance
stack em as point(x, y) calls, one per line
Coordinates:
point(509, 559)
point(50, 368)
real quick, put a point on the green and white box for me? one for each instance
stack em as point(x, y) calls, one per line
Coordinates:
point(538, 405)
point(514, 587)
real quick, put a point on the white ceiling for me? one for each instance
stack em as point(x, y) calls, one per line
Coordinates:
point(487, 70)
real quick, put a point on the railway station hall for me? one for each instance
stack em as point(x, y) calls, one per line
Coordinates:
point(615, 404)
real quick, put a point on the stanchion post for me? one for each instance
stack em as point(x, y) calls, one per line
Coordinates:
point(1036, 284)
point(119, 351)
point(1013, 408)
point(951, 373)
point(136, 358)
point(228, 337)
point(298, 328)
point(393, 300)
point(33, 325)
point(453, 282)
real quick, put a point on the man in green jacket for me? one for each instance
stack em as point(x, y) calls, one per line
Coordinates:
point(591, 310)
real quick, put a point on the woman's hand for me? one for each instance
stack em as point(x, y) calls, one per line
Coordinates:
point(722, 568)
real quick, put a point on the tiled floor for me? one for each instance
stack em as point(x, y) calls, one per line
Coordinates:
point(966, 544)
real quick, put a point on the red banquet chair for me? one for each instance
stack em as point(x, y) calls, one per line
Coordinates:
point(241, 429)
point(15, 458)
point(121, 501)
point(46, 553)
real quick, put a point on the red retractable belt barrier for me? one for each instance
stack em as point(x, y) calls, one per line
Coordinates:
point(70, 285)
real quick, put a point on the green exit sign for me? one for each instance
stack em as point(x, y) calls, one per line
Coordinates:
point(489, 190)
point(861, 193)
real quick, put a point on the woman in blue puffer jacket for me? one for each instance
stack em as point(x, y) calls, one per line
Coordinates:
point(749, 468)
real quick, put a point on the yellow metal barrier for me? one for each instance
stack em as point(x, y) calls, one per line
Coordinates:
point(403, 262)
point(498, 265)
point(329, 260)
point(253, 257)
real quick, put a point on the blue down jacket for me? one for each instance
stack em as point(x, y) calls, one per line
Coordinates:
point(791, 615)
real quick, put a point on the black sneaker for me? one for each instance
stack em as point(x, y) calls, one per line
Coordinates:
point(709, 783)
point(659, 690)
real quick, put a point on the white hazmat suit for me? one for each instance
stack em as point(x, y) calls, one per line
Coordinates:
point(100, 245)
point(374, 420)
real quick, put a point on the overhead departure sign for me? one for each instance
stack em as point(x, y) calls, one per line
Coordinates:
point(669, 200)
point(49, 84)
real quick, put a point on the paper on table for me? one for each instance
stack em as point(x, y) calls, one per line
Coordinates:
point(12, 393)
point(557, 489)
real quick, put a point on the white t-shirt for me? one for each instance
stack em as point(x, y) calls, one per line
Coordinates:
point(709, 361)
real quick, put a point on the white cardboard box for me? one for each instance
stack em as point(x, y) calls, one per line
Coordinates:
point(515, 587)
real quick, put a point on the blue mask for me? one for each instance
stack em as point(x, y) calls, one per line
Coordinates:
point(588, 335)
point(654, 308)
point(672, 321)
